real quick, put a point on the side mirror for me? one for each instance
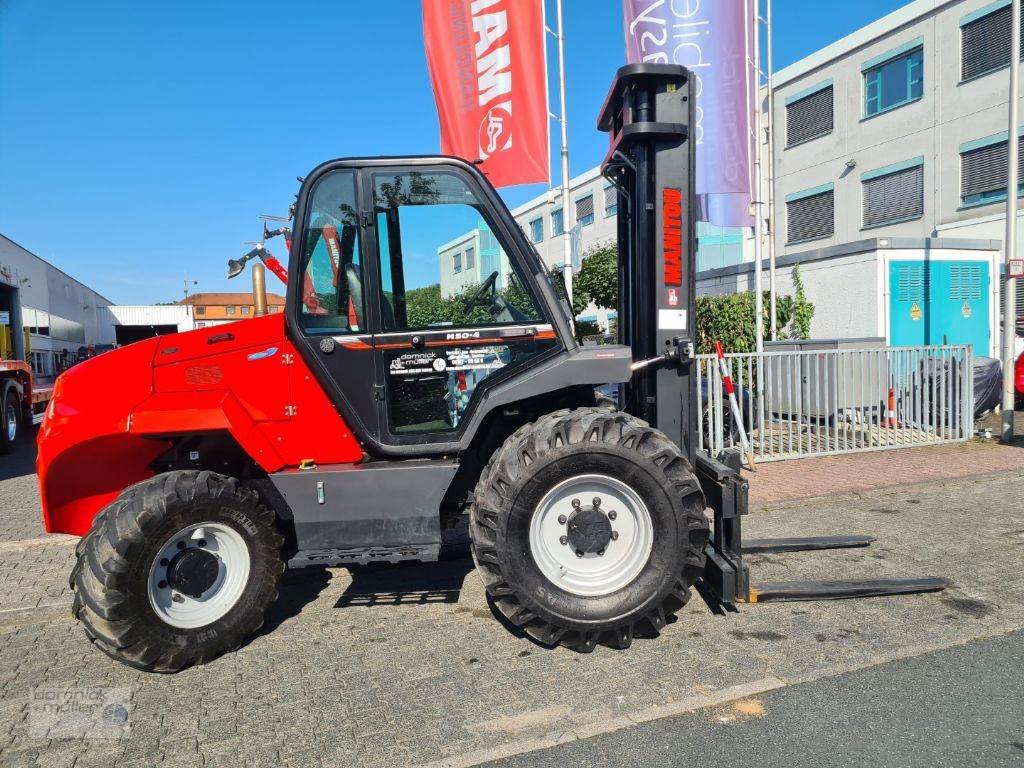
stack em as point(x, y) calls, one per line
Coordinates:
point(235, 267)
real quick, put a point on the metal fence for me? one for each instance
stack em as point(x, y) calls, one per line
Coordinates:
point(816, 403)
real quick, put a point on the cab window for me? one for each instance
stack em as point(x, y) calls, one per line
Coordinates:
point(442, 266)
point(332, 289)
point(440, 262)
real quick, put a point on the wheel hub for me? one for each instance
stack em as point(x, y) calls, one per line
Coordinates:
point(193, 571)
point(199, 574)
point(589, 530)
point(591, 534)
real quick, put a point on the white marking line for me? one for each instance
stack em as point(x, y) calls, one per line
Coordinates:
point(53, 540)
point(34, 608)
point(689, 704)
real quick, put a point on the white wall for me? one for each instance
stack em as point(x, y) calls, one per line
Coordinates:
point(145, 315)
point(844, 291)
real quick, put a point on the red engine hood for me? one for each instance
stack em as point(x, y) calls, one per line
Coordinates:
point(218, 340)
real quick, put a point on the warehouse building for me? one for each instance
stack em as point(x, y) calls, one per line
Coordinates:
point(899, 131)
point(46, 316)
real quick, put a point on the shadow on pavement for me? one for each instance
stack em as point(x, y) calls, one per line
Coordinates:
point(406, 583)
point(22, 461)
point(297, 589)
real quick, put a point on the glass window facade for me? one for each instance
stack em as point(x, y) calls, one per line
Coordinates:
point(894, 83)
point(537, 230)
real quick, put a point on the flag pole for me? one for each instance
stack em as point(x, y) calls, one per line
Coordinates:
point(566, 217)
point(753, 25)
point(1009, 286)
point(771, 177)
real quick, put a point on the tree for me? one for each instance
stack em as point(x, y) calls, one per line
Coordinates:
point(598, 278)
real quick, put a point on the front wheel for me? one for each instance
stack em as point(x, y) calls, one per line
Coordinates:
point(588, 526)
point(177, 571)
point(11, 419)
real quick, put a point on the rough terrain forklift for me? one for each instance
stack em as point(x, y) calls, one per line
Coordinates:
point(424, 369)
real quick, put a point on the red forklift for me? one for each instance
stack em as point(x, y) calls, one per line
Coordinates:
point(425, 369)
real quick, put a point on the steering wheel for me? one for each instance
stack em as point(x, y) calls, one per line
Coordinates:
point(487, 285)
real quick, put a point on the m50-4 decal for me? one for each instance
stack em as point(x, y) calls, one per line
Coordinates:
point(462, 335)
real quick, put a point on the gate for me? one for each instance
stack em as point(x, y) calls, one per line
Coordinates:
point(797, 404)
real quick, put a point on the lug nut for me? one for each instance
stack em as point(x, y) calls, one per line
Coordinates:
point(576, 503)
point(562, 519)
point(181, 545)
point(596, 502)
point(178, 598)
point(600, 553)
point(162, 584)
point(579, 553)
point(615, 535)
point(563, 540)
point(164, 561)
point(612, 515)
point(202, 542)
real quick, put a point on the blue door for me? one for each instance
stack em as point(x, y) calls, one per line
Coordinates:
point(939, 302)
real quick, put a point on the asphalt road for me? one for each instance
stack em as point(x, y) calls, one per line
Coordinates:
point(958, 707)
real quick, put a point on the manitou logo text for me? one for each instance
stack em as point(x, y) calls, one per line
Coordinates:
point(672, 236)
point(494, 75)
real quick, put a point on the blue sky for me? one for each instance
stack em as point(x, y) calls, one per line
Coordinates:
point(139, 141)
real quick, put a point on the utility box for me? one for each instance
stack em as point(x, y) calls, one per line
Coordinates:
point(847, 376)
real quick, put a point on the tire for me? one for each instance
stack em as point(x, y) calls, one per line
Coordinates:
point(11, 421)
point(521, 489)
point(118, 574)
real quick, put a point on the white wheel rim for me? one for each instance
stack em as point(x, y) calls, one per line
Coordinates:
point(12, 423)
point(185, 611)
point(593, 574)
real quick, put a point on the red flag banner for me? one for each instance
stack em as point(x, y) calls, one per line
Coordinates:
point(487, 68)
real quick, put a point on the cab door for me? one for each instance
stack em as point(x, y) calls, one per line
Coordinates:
point(456, 314)
point(327, 307)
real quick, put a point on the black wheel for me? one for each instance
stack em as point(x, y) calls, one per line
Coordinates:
point(11, 421)
point(588, 526)
point(177, 571)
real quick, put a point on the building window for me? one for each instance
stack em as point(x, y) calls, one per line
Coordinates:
point(894, 193)
point(245, 310)
point(557, 224)
point(810, 215)
point(200, 325)
point(585, 210)
point(611, 201)
point(229, 310)
point(200, 310)
point(985, 42)
point(470, 258)
point(983, 171)
point(809, 115)
point(894, 82)
point(457, 263)
point(537, 230)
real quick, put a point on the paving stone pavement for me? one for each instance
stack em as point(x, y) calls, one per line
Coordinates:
point(780, 480)
point(406, 665)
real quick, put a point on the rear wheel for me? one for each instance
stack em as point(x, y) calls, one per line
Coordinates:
point(588, 526)
point(179, 570)
point(10, 418)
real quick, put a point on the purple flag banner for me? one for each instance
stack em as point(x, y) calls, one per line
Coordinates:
point(710, 37)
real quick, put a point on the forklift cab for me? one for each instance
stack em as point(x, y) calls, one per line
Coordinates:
point(410, 274)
